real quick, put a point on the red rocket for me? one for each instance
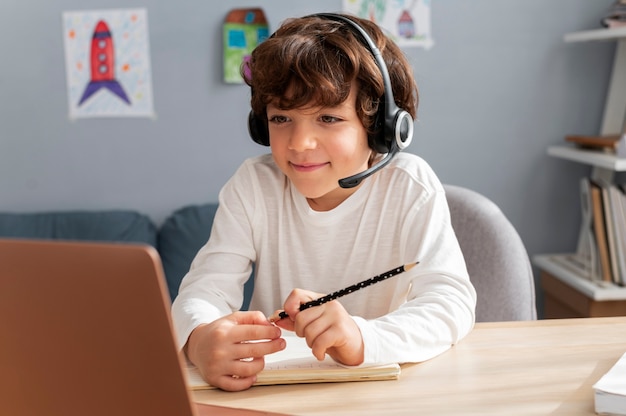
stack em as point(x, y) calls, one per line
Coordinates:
point(103, 65)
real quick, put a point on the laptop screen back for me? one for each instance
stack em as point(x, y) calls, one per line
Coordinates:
point(85, 330)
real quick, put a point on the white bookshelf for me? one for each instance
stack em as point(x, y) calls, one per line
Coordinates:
point(596, 158)
point(567, 285)
point(569, 276)
point(603, 34)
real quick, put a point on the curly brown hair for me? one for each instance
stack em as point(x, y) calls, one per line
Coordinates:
point(312, 61)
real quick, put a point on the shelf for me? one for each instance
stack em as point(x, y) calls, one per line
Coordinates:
point(596, 35)
point(568, 287)
point(590, 157)
point(595, 291)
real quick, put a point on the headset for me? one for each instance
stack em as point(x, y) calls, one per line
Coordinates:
point(397, 129)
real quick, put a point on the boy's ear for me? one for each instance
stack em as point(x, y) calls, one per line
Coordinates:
point(257, 128)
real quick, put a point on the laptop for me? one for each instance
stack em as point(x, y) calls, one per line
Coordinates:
point(86, 330)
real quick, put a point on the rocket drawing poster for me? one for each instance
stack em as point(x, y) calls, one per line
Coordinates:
point(108, 63)
point(407, 22)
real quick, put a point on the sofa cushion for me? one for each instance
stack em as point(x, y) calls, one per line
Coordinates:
point(180, 237)
point(114, 225)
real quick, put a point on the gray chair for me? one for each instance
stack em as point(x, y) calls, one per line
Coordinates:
point(496, 258)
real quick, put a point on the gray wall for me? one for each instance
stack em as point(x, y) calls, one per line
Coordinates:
point(498, 87)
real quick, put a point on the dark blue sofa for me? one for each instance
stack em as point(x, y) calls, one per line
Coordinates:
point(177, 240)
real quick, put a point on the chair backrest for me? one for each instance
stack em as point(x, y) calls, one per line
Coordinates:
point(497, 261)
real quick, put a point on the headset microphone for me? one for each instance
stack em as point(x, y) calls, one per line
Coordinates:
point(354, 180)
point(403, 137)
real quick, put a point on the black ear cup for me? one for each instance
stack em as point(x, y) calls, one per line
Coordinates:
point(403, 129)
point(257, 128)
point(394, 133)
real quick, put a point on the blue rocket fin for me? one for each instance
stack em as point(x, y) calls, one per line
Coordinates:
point(95, 86)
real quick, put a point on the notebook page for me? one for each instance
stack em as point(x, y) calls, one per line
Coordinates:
point(296, 364)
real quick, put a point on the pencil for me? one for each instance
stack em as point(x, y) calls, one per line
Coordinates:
point(353, 288)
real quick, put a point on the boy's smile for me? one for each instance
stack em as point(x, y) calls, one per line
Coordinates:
point(308, 167)
point(317, 146)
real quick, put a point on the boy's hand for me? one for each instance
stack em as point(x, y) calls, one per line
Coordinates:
point(229, 352)
point(328, 328)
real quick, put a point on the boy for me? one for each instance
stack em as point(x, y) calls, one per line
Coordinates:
point(316, 101)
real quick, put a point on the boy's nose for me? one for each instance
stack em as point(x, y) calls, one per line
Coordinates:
point(302, 138)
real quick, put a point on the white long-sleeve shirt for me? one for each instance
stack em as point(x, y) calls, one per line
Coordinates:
point(397, 216)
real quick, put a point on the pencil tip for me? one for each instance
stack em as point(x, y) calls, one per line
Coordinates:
point(410, 266)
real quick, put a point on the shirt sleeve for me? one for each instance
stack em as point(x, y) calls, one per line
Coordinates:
point(213, 287)
point(440, 306)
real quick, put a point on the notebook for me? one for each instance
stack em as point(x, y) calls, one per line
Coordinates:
point(610, 390)
point(86, 330)
point(296, 364)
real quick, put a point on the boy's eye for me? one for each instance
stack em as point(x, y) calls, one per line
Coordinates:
point(278, 119)
point(329, 119)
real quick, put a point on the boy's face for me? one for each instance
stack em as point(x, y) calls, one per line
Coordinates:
point(315, 147)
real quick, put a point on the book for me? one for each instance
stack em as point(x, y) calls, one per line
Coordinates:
point(611, 232)
point(618, 210)
point(296, 364)
point(599, 227)
point(610, 390)
point(587, 251)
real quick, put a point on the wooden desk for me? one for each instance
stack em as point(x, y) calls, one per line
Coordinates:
point(511, 368)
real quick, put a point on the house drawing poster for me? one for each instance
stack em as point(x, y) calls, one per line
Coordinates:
point(108, 63)
point(243, 30)
point(407, 22)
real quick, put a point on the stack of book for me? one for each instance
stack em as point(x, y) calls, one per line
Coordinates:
point(602, 248)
